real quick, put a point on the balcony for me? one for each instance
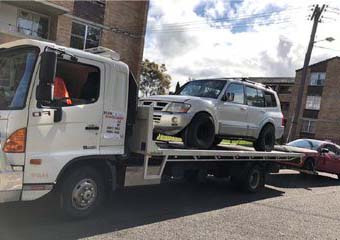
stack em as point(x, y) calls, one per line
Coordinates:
point(43, 7)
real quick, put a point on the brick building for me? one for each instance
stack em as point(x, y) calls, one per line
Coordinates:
point(319, 117)
point(118, 25)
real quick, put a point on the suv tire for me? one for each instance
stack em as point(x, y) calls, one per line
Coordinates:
point(200, 133)
point(266, 140)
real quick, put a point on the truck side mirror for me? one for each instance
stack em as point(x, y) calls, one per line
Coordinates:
point(48, 66)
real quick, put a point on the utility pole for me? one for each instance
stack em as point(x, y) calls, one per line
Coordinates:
point(316, 16)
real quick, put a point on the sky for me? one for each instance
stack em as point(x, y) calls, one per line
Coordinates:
point(227, 38)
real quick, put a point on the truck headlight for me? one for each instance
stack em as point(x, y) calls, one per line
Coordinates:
point(178, 107)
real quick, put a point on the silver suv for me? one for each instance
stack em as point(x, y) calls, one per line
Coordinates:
point(203, 112)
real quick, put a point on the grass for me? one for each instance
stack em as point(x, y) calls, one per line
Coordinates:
point(227, 142)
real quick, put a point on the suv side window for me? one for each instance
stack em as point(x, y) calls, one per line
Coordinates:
point(254, 97)
point(235, 93)
point(270, 100)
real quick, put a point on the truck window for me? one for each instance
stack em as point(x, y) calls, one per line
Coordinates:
point(270, 100)
point(16, 69)
point(76, 83)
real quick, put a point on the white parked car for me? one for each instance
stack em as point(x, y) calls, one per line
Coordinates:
point(203, 112)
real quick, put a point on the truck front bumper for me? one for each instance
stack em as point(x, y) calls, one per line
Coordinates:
point(10, 184)
point(170, 123)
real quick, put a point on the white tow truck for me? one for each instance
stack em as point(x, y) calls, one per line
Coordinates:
point(96, 138)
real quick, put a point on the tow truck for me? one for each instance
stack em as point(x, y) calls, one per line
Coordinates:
point(98, 139)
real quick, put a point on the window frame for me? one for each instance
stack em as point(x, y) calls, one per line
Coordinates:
point(84, 37)
point(100, 81)
point(244, 94)
point(313, 103)
point(310, 121)
point(34, 13)
point(319, 73)
point(257, 95)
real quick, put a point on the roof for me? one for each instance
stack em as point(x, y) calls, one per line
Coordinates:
point(324, 61)
point(76, 52)
point(273, 80)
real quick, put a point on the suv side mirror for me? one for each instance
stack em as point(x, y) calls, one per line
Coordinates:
point(48, 66)
point(324, 150)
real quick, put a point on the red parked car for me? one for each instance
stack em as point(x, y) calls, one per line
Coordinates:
point(320, 156)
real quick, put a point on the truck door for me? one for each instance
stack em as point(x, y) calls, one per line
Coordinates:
point(233, 111)
point(78, 132)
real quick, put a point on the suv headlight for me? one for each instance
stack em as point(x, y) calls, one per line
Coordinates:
point(178, 107)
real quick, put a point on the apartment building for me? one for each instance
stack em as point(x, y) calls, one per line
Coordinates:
point(319, 117)
point(118, 25)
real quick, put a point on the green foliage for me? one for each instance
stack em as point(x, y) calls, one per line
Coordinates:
point(154, 79)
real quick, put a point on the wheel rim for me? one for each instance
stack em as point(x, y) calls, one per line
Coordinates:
point(84, 194)
point(254, 179)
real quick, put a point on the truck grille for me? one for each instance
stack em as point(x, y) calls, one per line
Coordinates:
point(157, 106)
point(157, 118)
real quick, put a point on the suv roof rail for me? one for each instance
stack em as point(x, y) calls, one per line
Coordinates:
point(255, 83)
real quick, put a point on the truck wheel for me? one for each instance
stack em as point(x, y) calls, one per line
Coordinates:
point(266, 140)
point(253, 180)
point(200, 133)
point(82, 192)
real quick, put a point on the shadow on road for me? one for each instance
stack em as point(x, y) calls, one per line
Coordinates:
point(295, 180)
point(129, 208)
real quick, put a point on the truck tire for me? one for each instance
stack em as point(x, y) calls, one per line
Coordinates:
point(81, 192)
point(266, 139)
point(200, 133)
point(253, 180)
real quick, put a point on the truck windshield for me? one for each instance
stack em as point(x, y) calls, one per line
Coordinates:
point(203, 88)
point(16, 68)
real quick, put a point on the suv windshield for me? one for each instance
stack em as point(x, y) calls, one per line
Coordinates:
point(16, 68)
point(203, 88)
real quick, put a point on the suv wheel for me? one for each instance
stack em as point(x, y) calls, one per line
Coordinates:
point(266, 140)
point(200, 133)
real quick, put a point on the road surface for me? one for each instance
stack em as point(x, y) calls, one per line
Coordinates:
point(290, 207)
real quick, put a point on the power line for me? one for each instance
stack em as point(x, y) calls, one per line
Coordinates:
point(337, 50)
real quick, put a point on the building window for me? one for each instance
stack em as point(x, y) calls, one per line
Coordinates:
point(84, 36)
point(308, 126)
point(32, 24)
point(285, 89)
point(313, 102)
point(317, 78)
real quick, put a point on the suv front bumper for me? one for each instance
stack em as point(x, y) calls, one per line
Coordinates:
point(170, 123)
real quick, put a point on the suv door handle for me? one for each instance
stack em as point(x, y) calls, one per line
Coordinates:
point(91, 127)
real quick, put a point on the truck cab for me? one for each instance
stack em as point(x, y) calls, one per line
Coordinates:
point(43, 130)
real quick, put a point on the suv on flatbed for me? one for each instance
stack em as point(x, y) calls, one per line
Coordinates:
point(203, 112)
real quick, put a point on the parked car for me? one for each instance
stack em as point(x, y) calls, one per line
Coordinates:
point(203, 112)
point(320, 156)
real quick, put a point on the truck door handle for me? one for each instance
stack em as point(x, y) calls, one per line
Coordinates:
point(91, 127)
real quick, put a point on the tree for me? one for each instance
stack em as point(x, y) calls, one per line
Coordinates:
point(154, 79)
point(177, 87)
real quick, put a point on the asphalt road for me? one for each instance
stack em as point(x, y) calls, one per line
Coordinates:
point(291, 207)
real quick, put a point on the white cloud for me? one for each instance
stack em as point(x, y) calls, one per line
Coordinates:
point(191, 46)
